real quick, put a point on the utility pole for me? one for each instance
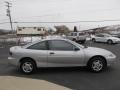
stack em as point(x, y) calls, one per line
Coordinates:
point(9, 14)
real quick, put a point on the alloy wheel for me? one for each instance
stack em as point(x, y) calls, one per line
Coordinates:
point(27, 67)
point(97, 65)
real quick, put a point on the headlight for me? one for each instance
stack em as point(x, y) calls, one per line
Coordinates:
point(111, 55)
point(116, 39)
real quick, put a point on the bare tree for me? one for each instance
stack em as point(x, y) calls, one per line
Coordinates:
point(62, 29)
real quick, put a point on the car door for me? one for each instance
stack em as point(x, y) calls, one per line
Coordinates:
point(100, 38)
point(61, 53)
point(105, 38)
point(38, 52)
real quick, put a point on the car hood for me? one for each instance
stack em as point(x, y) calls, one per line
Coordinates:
point(114, 38)
point(97, 51)
point(15, 48)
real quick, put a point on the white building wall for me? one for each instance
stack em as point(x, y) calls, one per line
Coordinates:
point(31, 30)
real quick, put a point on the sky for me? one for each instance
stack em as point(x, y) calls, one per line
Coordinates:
point(77, 12)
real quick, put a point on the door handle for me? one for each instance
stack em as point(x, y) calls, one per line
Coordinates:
point(52, 53)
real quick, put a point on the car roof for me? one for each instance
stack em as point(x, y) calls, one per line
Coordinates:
point(50, 39)
point(45, 40)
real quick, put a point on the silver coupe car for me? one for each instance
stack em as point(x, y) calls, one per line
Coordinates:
point(59, 53)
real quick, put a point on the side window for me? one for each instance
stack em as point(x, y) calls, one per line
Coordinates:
point(60, 45)
point(39, 46)
point(100, 35)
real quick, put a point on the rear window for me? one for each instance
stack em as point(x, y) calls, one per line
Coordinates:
point(39, 46)
point(100, 35)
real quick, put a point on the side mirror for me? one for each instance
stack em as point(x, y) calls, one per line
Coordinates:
point(76, 49)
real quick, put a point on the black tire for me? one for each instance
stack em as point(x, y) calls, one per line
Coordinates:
point(110, 42)
point(93, 39)
point(83, 41)
point(97, 64)
point(30, 65)
point(74, 39)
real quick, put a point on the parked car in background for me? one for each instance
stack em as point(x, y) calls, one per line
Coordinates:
point(106, 38)
point(59, 53)
point(79, 37)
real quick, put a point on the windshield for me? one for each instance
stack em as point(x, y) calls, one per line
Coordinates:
point(77, 44)
point(107, 35)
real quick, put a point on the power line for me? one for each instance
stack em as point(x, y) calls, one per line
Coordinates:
point(46, 15)
point(4, 22)
point(3, 19)
point(66, 22)
point(1, 14)
point(73, 21)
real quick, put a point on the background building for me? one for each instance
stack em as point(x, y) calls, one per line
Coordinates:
point(31, 31)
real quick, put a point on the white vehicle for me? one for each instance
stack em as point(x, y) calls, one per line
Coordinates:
point(79, 37)
point(59, 53)
point(106, 38)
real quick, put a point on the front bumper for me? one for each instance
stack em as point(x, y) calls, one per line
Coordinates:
point(116, 42)
point(111, 60)
point(13, 61)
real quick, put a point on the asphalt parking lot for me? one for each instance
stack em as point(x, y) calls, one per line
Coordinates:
point(78, 78)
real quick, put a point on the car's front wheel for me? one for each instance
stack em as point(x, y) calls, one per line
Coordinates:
point(97, 64)
point(27, 66)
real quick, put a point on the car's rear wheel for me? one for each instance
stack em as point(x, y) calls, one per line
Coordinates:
point(97, 64)
point(83, 41)
point(110, 42)
point(74, 39)
point(27, 66)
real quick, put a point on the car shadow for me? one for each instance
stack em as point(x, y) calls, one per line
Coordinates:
point(73, 77)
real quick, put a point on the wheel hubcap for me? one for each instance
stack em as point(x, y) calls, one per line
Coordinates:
point(93, 40)
point(109, 42)
point(97, 65)
point(27, 67)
